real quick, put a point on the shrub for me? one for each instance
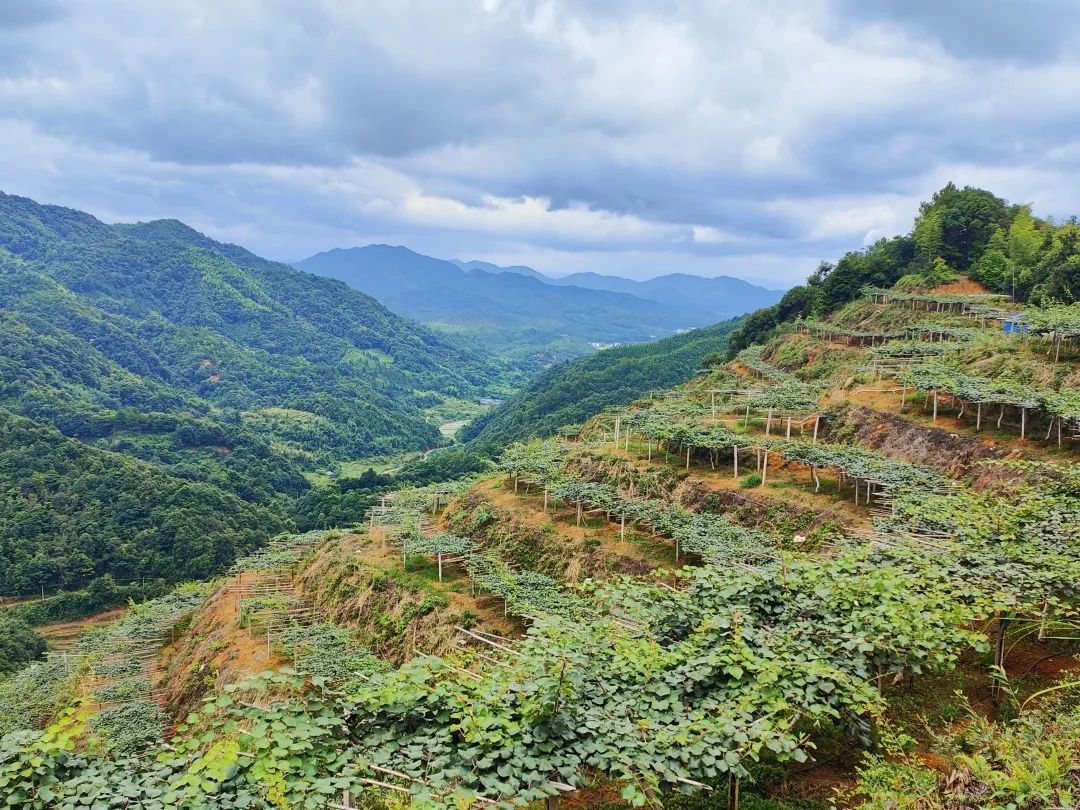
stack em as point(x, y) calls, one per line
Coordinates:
point(751, 480)
point(19, 644)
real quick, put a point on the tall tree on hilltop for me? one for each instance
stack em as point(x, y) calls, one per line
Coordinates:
point(968, 218)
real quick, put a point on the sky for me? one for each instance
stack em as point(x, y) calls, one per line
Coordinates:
point(632, 137)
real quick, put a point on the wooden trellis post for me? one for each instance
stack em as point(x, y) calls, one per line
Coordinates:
point(765, 468)
point(735, 460)
point(999, 657)
point(733, 792)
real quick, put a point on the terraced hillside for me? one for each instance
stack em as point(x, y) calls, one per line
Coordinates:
point(839, 569)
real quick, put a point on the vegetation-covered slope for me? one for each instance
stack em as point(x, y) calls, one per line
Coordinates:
point(71, 513)
point(837, 571)
point(201, 381)
point(803, 580)
point(569, 393)
point(302, 358)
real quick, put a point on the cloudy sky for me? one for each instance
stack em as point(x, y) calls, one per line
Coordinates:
point(638, 137)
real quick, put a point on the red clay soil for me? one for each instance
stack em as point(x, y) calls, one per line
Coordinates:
point(962, 286)
point(213, 651)
point(906, 439)
point(63, 635)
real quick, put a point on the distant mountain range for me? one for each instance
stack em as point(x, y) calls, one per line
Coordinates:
point(521, 312)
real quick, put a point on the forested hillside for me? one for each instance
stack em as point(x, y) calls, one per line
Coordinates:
point(967, 230)
point(569, 393)
point(71, 513)
point(223, 375)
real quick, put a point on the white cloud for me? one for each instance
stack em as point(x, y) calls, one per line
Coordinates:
point(634, 137)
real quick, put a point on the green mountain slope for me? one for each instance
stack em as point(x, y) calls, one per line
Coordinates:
point(571, 392)
point(71, 513)
point(158, 317)
point(194, 383)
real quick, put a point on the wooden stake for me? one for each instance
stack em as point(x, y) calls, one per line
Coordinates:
point(999, 657)
point(733, 792)
point(478, 637)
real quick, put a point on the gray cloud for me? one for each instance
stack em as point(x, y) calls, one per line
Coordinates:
point(1027, 30)
point(635, 137)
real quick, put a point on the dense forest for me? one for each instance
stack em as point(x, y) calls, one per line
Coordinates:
point(71, 513)
point(967, 230)
point(161, 396)
point(569, 393)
